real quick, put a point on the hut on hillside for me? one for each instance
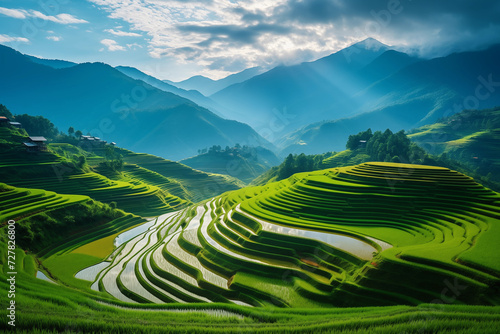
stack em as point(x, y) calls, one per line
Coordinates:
point(16, 125)
point(90, 141)
point(4, 121)
point(40, 141)
point(31, 147)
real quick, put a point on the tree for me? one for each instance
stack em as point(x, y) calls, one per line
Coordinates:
point(6, 112)
point(38, 126)
point(114, 160)
point(71, 131)
point(78, 133)
point(82, 160)
point(354, 141)
point(301, 163)
point(287, 168)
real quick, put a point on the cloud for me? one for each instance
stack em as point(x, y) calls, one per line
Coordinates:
point(8, 39)
point(15, 13)
point(235, 33)
point(222, 35)
point(24, 14)
point(54, 38)
point(134, 46)
point(122, 33)
point(112, 45)
point(431, 28)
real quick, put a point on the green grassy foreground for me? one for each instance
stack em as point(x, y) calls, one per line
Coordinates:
point(43, 307)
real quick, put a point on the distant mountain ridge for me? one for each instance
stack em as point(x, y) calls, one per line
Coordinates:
point(109, 104)
point(192, 95)
point(243, 163)
point(414, 95)
point(313, 107)
point(54, 63)
point(208, 86)
point(308, 92)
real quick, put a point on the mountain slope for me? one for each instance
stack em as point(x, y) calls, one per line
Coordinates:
point(416, 95)
point(108, 104)
point(288, 97)
point(54, 63)
point(471, 137)
point(244, 163)
point(192, 95)
point(387, 64)
point(145, 185)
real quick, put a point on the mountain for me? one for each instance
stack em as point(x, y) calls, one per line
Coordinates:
point(106, 103)
point(418, 94)
point(54, 63)
point(385, 65)
point(192, 95)
point(209, 86)
point(244, 163)
point(471, 137)
point(197, 82)
point(288, 97)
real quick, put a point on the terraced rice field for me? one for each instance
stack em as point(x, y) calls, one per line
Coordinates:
point(141, 199)
point(196, 185)
point(20, 202)
point(372, 234)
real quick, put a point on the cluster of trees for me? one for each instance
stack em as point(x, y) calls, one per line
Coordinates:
point(365, 146)
point(6, 112)
point(244, 151)
point(114, 160)
point(386, 146)
point(298, 164)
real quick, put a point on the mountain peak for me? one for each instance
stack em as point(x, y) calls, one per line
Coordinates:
point(370, 44)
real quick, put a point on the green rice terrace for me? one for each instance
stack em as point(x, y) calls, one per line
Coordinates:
point(377, 247)
point(373, 234)
point(146, 185)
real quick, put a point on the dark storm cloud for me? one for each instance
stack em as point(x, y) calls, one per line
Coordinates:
point(473, 13)
point(235, 33)
point(429, 27)
point(432, 26)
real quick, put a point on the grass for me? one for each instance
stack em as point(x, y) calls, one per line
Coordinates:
point(198, 185)
point(21, 202)
point(482, 254)
point(69, 310)
point(64, 267)
point(100, 248)
point(466, 139)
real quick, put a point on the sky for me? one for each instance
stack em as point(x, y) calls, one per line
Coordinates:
point(175, 39)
